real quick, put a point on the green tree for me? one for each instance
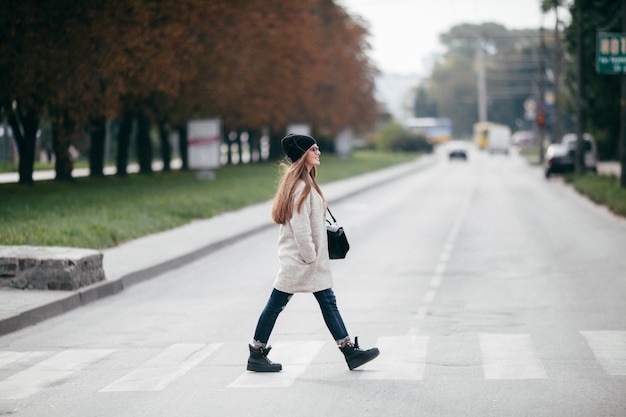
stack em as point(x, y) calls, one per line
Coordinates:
point(512, 78)
point(453, 88)
point(423, 104)
point(510, 74)
point(557, 127)
point(601, 93)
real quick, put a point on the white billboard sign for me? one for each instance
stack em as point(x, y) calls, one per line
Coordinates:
point(203, 143)
point(299, 129)
point(344, 143)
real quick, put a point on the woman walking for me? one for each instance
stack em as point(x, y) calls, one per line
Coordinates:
point(300, 210)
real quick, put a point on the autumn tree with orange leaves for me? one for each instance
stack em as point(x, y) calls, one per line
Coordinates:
point(255, 63)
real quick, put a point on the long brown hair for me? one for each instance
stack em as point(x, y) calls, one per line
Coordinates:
point(282, 209)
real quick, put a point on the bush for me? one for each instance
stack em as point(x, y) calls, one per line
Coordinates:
point(394, 137)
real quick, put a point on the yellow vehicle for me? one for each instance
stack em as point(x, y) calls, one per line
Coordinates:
point(481, 134)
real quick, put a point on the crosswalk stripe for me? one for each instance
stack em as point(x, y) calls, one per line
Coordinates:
point(504, 357)
point(45, 373)
point(510, 356)
point(609, 347)
point(8, 357)
point(163, 369)
point(401, 358)
point(295, 358)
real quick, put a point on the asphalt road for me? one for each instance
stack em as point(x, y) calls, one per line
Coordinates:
point(489, 290)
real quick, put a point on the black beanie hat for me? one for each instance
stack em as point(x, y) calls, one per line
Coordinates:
point(296, 145)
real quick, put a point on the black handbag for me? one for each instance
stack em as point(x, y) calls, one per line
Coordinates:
point(338, 245)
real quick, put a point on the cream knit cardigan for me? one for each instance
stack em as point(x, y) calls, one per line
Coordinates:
point(303, 248)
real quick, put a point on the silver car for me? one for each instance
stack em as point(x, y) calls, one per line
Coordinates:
point(561, 157)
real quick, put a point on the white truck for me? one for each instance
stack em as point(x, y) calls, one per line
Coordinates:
point(499, 139)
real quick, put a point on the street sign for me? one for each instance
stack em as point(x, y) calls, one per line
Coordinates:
point(611, 53)
point(204, 140)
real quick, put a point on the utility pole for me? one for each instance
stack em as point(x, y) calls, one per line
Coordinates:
point(579, 154)
point(558, 60)
point(482, 82)
point(541, 107)
point(622, 145)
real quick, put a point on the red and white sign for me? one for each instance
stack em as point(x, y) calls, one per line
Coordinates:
point(203, 143)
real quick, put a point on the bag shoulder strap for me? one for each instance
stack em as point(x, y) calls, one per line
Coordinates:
point(331, 215)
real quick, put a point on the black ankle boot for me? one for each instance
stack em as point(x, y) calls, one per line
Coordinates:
point(356, 357)
point(258, 361)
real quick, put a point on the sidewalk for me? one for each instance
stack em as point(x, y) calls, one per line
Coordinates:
point(150, 256)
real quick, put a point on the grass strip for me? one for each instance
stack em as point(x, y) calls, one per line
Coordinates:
point(101, 213)
point(602, 189)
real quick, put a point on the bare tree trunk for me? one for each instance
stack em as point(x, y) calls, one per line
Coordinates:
point(123, 143)
point(557, 129)
point(144, 147)
point(579, 160)
point(182, 147)
point(63, 165)
point(25, 133)
point(96, 150)
point(276, 149)
point(622, 129)
point(166, 147)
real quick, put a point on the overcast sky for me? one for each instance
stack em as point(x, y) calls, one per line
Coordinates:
point(405, 33)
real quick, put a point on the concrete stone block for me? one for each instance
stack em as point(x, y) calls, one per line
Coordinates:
point(51, 268)
point(8, 267)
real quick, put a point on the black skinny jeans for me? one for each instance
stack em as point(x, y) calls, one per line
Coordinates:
point(276, 304)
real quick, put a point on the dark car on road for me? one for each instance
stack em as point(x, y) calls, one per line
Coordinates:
point(457, 150)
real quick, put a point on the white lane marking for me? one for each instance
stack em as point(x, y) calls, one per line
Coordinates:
point(609, 348)
point(9, 357)
point(295, 358)
point(435, 281)
point(45, 373)
point(401, 358)
point(458, 222)
point(444, 256)
point(164, 368)
point(429, 296)
point(440, 268)
point(510, 356)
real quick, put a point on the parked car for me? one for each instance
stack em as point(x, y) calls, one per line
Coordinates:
point(523, 138)
point(561, 157)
